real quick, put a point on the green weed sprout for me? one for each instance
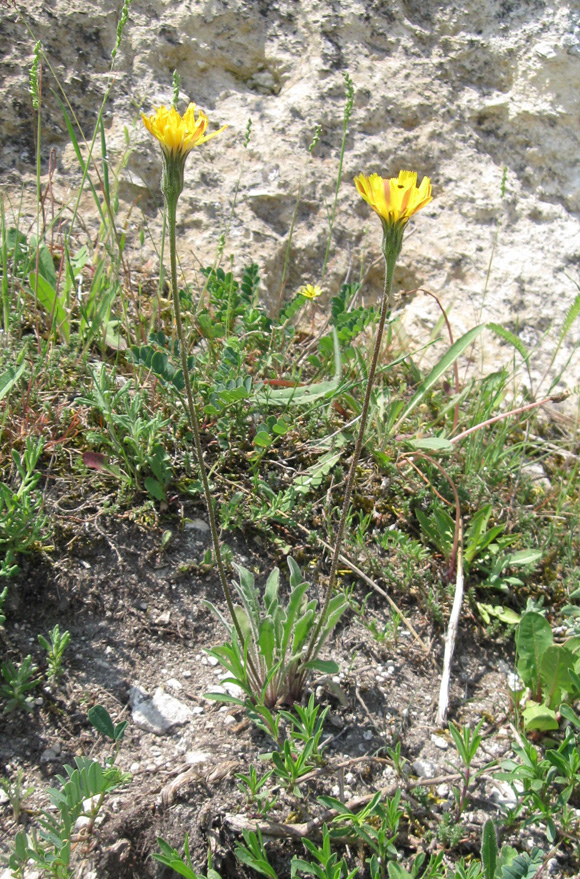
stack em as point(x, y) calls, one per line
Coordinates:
point(19, 681)
point(55, 650)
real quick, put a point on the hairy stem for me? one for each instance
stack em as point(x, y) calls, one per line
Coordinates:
point(194, 423)
point(385, 310)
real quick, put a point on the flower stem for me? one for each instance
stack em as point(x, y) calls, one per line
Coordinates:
point(385, 310)
point(171, 201)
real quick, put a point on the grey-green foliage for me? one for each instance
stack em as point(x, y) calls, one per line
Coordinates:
point(55, 650)
point(50, 848)
point(253, 854)
point(16, 791)
point(325, 863)
point(181, 864)
point(544, 785)
point(551, 671)
point(22, 522)
point(376, 826)
point(19, 680)
point(81, 793)
point(275, 637)
point(130, 432)
point(507, 864)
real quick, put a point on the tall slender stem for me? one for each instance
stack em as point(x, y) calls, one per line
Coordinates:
point(171, 201)
point(385, 310)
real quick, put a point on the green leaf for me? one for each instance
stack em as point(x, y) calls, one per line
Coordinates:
point(223, 697)
point(325, 666)
point(489, 850)
point(51, 302)
point(431, 444)
point(440, 369)
point(511, 338)
point(503, 614)
point(555, 666)
point(155, 489)
point(302, 396)
point(533, 637)
point(523, 557)
point(9, 378)
point(100, 718)
point(539, 717)
point(398, 872)
point(45, 264)
point(314, 475)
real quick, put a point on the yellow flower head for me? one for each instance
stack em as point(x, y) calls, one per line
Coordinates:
point(178, 134)
point(310, 291)
point(395, 199)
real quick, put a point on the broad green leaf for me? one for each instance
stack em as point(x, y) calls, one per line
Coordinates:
point(100, 718)
point(301, 396)
point(539, 717)
point(314, 475)
point(569, 714)
point(503, 614)
point(155, 489)
point(325, 666)
point(440, 369)
point(51, 302)
point(9, 378)
point(489, 850)
point(398, 872)
point(113, 339)
point(524, 557)
point(46, 265)
point(555, 666)
point(533, 637)
point(431, 444)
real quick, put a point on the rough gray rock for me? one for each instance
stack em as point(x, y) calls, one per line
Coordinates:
point(454, 91)
point(157, 714)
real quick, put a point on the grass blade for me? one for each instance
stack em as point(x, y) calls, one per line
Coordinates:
point(438, 370)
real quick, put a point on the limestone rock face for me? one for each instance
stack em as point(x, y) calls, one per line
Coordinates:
point(458, 92)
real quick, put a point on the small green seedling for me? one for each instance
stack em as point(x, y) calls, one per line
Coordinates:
point(55, 649)
point(19, 681)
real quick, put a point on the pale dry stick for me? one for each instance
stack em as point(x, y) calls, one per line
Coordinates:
point(356, 570)
point(451, 635)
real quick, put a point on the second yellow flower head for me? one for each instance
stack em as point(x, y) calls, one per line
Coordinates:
point(395, 199)
point(178, 134)
point(310, 291)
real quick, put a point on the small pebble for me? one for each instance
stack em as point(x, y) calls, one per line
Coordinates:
point(425, 769)
point(440, 742)
point(367, 735)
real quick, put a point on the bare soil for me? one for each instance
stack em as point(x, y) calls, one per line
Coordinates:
point(136, 614)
